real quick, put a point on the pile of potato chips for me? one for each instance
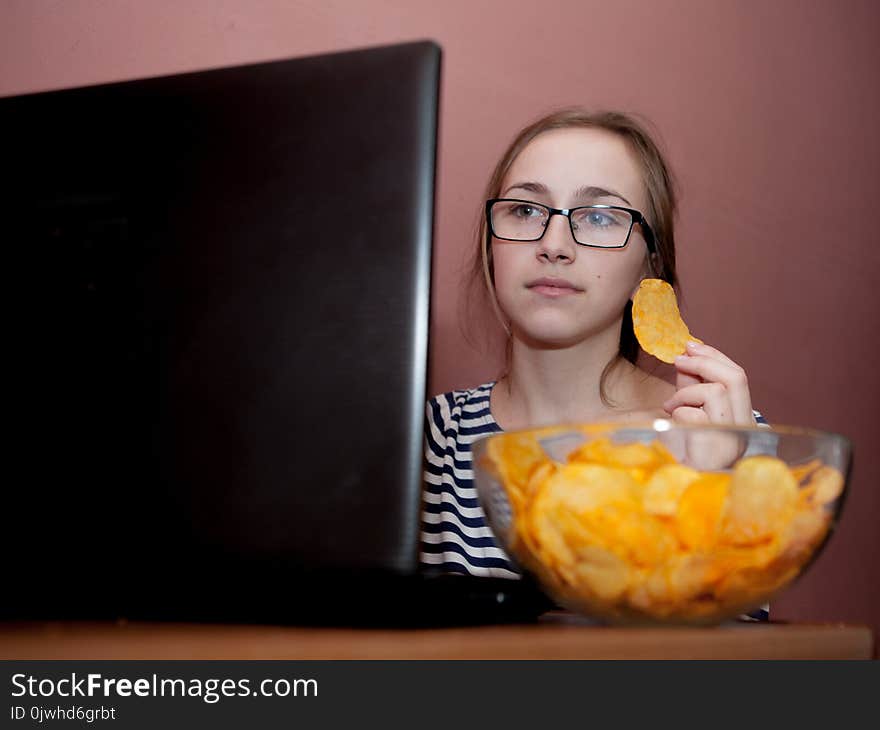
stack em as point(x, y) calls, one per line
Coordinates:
point(624, 531)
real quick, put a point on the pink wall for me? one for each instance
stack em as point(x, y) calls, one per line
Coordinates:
point(770, 113)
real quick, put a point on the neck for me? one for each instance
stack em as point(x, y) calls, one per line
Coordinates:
point(546, 386)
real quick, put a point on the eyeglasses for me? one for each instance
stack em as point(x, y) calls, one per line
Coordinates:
point(598, 226)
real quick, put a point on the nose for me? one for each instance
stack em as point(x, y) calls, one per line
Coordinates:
point(557, 244)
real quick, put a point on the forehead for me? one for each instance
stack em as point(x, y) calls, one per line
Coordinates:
point(566, 159)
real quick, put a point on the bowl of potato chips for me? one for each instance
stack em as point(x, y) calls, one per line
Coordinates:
point(662, 523)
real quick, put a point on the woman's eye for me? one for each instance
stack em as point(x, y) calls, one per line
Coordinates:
point(598, 218)
point(526, 211)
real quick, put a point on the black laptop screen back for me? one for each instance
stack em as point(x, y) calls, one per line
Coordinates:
point(222, 285)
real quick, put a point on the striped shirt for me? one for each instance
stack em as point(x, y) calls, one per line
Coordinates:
point(455, 537)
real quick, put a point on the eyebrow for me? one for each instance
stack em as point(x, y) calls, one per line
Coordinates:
point(585, 191)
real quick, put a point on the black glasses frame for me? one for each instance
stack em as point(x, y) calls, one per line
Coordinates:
point(636, 216)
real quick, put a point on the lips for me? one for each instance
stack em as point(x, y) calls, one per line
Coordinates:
point(553, 287)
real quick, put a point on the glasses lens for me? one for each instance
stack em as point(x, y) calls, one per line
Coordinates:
point(519, 221)
point(596, 226)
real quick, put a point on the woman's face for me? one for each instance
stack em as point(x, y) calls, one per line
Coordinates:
point(556, 292)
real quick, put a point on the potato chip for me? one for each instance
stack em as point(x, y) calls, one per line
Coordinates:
point(515, 456)
point(645, 540)
point(665, 487)
point(698, 517)
point(561, 521)
point(574, 489)
point(543, 534)
point(627, 455)
point(639, 460)
point(603, 572)
point(684, 578)
point(585, 488)
point(539, 475)
point(657, 321)
point(578, 531)
point(523, 544)
point(649, 592)
point(802, 535)
point(691, 575)
point(802, 471)
point(763, 494)
point(587, 506)
point(525, 548)
point(823, 486)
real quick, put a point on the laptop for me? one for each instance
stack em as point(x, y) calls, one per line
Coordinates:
point(221, 283)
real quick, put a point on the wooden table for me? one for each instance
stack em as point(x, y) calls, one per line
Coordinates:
point(554, 636)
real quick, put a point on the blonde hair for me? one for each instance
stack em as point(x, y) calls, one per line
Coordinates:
point(662, 205)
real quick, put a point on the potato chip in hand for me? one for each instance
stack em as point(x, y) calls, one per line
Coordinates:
point(657, 322)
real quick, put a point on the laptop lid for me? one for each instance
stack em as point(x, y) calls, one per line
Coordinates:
point(220, 366)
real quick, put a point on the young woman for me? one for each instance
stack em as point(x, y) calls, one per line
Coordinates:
point(579, 210)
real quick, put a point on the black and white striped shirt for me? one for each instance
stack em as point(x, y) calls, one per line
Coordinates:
point(455, 537)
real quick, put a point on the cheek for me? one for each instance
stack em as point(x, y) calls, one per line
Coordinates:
point(612, 271)
point(509, 273)
point(505, 263)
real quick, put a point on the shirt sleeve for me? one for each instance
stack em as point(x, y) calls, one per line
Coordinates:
point(434, 450)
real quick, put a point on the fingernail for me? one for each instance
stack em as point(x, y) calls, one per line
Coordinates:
point(680, 358)
point(691, 345)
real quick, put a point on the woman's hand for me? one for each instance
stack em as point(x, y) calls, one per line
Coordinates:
point(710, 388)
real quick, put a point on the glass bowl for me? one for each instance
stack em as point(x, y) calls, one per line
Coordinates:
point(661, 523)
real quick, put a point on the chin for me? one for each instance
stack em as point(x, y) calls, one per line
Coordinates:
point(557, 330)
point(549, 337)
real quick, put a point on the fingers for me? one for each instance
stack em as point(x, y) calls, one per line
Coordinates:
point(708, 365)
point(683, 380)
point(706, 450)
point(688, 415)
point(712, 398)
point(699, 348)
point(709, 368)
